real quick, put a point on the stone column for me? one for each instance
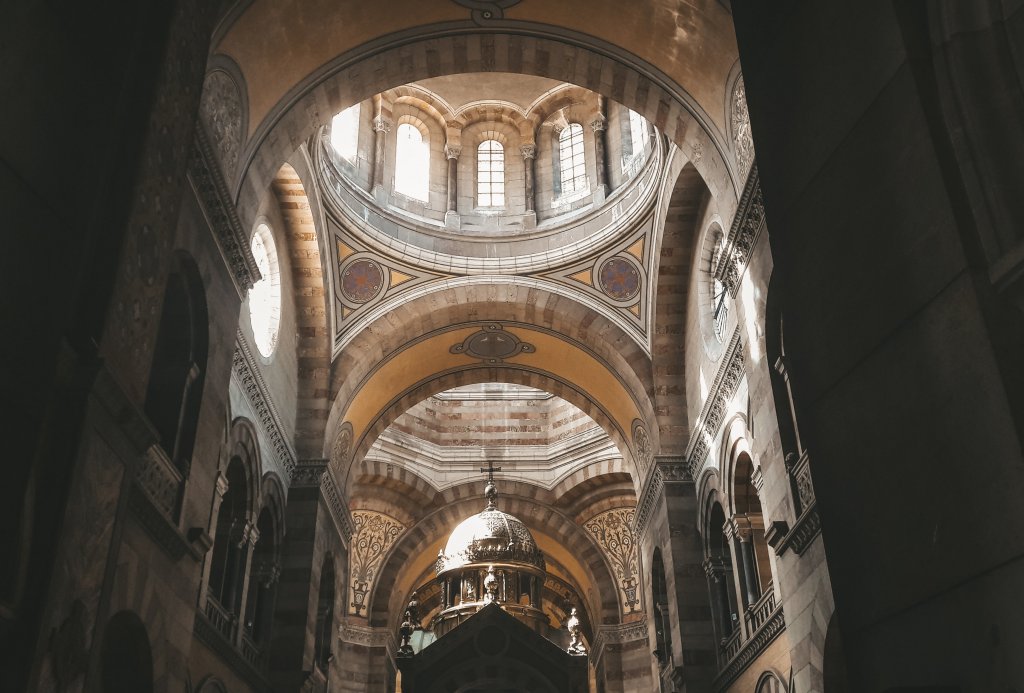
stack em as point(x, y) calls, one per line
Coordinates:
point(451, 216)
point(718, 588)
point(744, 534)
point(381, 127)
point(250, 535)
point(529, 152)
point(598, 125)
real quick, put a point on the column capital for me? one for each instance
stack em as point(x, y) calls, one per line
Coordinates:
point(452, 151)
point(382, 124)
point(598, 123)
point(529, 151)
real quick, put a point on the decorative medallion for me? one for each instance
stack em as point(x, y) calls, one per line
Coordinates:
point(613, 531)
point(620, 279)
point(222, 114)
point(362, 280)
point(492, 345)
point(484, 10)
point(342, 443)
point(642, 445)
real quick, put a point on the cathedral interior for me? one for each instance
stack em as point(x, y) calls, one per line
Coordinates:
point(513, 346)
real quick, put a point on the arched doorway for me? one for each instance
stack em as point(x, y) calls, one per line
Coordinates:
point(126, 660)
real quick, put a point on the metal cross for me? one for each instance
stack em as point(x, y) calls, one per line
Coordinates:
point(490, 469)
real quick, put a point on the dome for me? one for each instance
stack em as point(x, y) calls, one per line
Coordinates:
point(491, 536)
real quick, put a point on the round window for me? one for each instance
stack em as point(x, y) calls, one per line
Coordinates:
point(265, 295)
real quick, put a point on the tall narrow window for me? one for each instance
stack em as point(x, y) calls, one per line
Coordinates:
point(412, 163)
point(490, 174)
point(638, 132)
point(345, 132)
point(265, 295)
point(573, 172)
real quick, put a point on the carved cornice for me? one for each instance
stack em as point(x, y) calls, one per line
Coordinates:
point(674, 469)
point(617, 634)
point(746, 227)
point(651, 492)
point(367, 636)
point(722, 390)
point(220, 212)
point(307, 473)
point(751, 649)
point(338, 508)
point(243, 365)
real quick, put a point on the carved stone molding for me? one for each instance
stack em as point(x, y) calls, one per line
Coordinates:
point(739, 120)
point(243, 365)
point(746, 227)
point(367, 636)
point(375, 533)
point(613, 532)
point(722, 390)
point(648, 496)
point(338, 508)
point(616, 635)
point(231, 239)
point(806, 529)
point(307, 473)
point(673, 469)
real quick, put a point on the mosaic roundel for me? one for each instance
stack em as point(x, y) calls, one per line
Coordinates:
point(362, 280)
point(620, 279)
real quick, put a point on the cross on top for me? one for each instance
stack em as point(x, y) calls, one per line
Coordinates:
point(490, 492)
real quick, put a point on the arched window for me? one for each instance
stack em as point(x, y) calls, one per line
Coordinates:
point(175, 388)
point(572, 167)
point(126, 659)
point(324, 614)
point(662, 623)
point(769, 683)
point(412, 163)
point(262, 592)
point(490, 174)
point(638, 132)
point(345, 132)
point(227, 566)
point(718, 566)
point(265, 295)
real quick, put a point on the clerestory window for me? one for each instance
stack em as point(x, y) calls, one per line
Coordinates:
point(345, 133)
point(572, 166)
point(412, 163)
point(490, 174)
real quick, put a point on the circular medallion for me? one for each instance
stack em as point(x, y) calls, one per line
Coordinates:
point(620, 279)
point(362, 280)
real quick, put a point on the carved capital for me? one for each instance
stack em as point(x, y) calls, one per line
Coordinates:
point(452, 151)
point(598, 124)
point(757, 479)
point(529, 151)
point(382, 124)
